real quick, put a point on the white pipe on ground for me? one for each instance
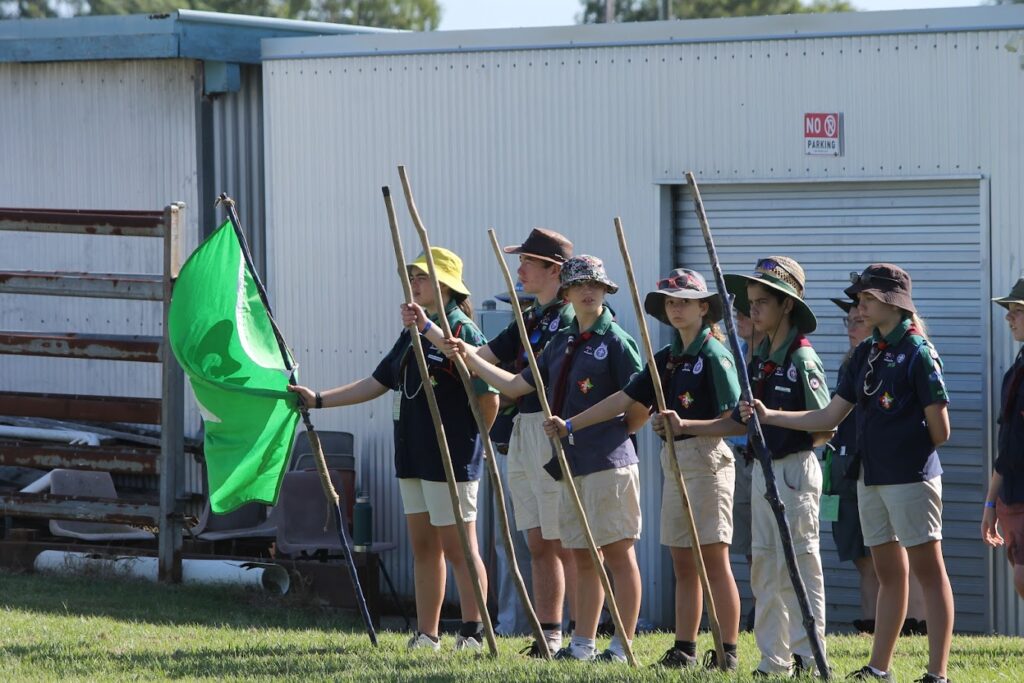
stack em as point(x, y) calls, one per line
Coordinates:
point(270, 577)
point(73, 437)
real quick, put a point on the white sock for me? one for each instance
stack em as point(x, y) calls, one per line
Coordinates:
point(617, 647)
point(878, 672)
point(583, 646)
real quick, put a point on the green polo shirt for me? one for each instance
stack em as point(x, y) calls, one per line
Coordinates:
point(792, 378)
point(700, 381)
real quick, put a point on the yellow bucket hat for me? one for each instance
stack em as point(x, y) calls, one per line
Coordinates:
point(448, 266)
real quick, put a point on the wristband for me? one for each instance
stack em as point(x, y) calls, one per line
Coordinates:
point(426, 328)
point(990, 504)
point(319, 401)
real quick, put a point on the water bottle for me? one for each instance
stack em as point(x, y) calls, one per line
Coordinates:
point(362, 524)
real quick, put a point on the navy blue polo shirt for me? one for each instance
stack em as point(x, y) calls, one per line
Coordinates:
point(892, 435)
point(1010, 460)
point(417, 455)
point(602, 365)
point(700, 380)
point(793, 379)
point(845, 444)
point(542, 324)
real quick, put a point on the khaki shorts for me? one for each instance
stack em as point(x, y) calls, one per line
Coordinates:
point(908, 513)
point(709, 472)
point(420, 495)
point(535, 495)
point(1011, 524)
point(611, 500)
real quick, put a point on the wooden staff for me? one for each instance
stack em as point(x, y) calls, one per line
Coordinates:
point(755, 436)
point(481, 425)
point(595, 556)
point(442, 441)
point(677, 475)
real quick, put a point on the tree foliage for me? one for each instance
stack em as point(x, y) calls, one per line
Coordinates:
point(647, 10)
point(413, 15)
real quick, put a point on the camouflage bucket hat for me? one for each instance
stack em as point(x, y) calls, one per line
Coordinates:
point(585, 268)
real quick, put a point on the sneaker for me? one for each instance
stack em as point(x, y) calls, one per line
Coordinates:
point(866, 674)
point(423, 641)
point(675, 658)
point(711, 660)
point(611, 655)
point(534, 651)
point(931, 678)
point(864, 625)
point(567, 654)
point(470, 643)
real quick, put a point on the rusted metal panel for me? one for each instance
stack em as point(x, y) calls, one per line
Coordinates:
point(133, 223)
point(119, 459)
point(80, 508)
point(96, 286)
point(81, 407)
point(139, 348)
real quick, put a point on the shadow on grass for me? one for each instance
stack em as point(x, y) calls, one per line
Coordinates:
point(160, 604)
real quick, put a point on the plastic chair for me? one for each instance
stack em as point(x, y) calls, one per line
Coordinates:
point(249, 521)
point(339, 450)
point(93, 485)
point(301, 512)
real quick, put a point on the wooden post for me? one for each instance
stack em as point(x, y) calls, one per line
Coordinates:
point(677, 476)
point(482, 427)
point(442, 440)
point(595, 555)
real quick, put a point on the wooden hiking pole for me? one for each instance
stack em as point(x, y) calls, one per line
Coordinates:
point(595, 556)
point(677, 475)
point(755, 437)
point(481, 425)
point(442, 440)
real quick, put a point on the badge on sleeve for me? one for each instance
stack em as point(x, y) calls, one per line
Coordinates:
point(726, 363)
point(814, 383)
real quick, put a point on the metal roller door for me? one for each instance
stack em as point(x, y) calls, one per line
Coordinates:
point(934, 230)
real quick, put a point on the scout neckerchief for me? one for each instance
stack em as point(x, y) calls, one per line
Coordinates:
point(570, 351)
point(877, 347)
point(768, 367)
point(448, 366)
point(674, 361)
point(1011, 395)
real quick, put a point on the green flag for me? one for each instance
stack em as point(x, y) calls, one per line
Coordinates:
point(220, 333)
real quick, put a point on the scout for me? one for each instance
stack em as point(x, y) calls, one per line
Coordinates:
point(535, 495)
point(787, 374)
point(421, 479)
point(585, 363)
point(700, 383)
point(1005, 501)
point(895, 381)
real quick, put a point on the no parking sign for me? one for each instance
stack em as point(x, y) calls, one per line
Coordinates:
point(823, 134)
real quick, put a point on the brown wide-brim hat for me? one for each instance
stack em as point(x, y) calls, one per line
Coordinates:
point(1016, 296)
point(844, 304)
point(782, 274)
point(887, 282)
point(544, 244)
point(682, 283)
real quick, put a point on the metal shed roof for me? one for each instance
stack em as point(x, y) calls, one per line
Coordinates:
point(656, 33)
point(181, 34)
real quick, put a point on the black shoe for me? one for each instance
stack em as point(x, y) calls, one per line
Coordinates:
point(675, 658)
point(864, 625)
point(606, 628)
point(534, 651)
point(711, 661)
point(866, 674)
point(931, 678)
point(914, 627)
point(804, 667)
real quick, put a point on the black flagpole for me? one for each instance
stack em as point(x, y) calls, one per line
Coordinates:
point(314, 440)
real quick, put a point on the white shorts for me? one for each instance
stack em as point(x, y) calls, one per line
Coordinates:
point(420, 495)
point(908, 513)
point(535, 495)
point(611, 500)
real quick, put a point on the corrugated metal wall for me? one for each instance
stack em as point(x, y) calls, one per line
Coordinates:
point(99, 135)
point(569, 138)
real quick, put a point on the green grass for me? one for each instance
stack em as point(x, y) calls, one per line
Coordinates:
point(103, 630)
